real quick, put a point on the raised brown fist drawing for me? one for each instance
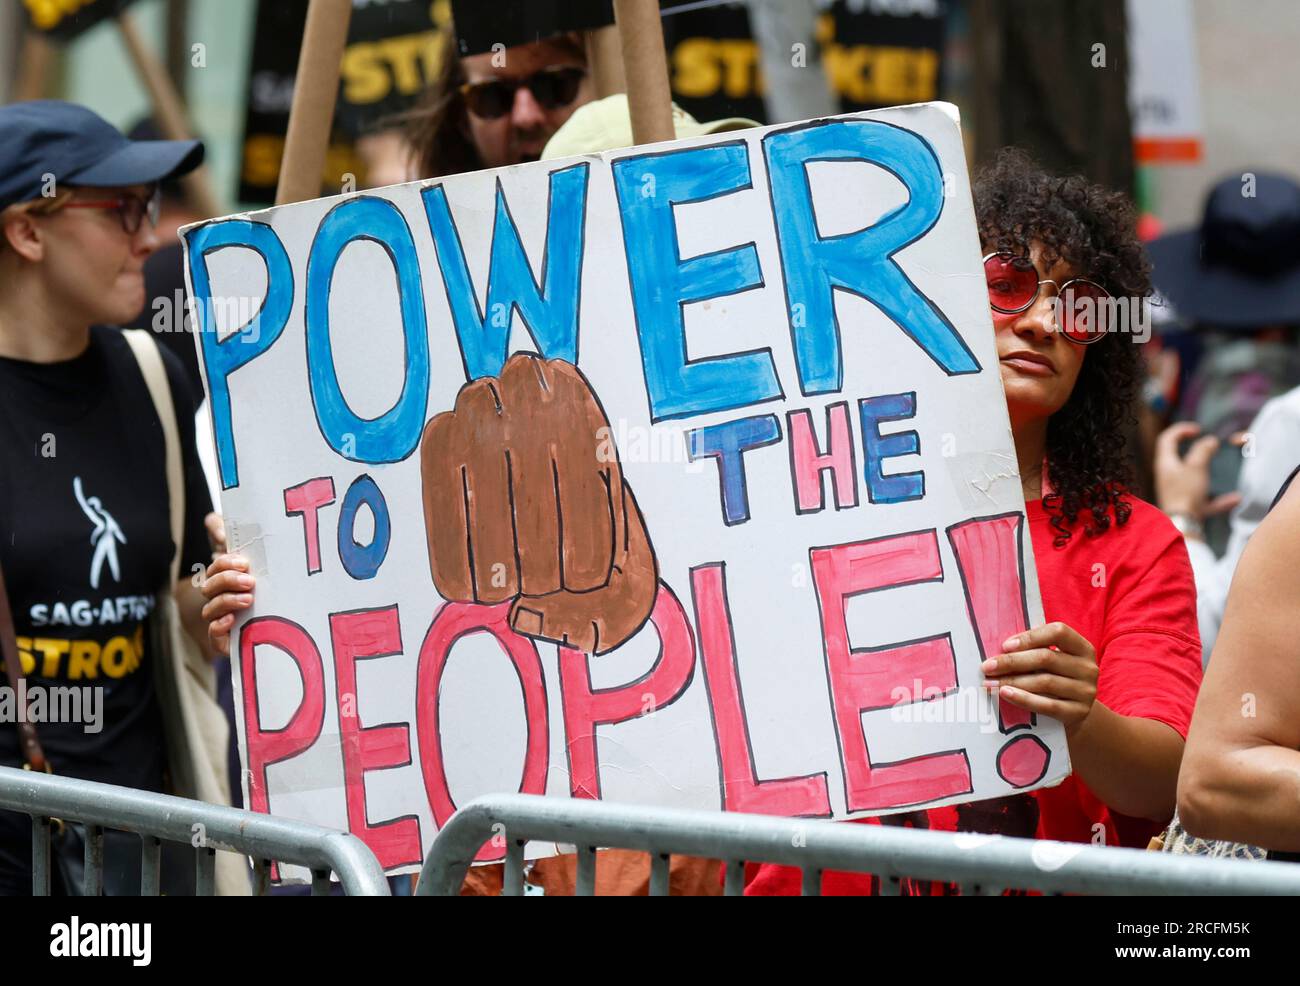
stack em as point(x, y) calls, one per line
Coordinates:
point(524, 500)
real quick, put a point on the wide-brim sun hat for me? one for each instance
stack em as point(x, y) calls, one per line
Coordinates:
point(46, 143)
point(606, 125)
point(1240, 269)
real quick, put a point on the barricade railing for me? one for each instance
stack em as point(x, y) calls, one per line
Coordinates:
point(159, 818)
point(979, 864)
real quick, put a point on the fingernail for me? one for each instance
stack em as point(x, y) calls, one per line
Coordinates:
point(1011, 643)
point(244, 599)
point(244, 582)
point(989, 665)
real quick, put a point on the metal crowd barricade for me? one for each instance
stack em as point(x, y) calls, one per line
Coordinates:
point(980, 864)
point(160, 817)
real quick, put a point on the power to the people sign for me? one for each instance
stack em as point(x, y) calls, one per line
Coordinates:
point(677, 475)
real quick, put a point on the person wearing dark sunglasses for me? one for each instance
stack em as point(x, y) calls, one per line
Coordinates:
point(1117, 661)
point(516, 102)
point(498, 108)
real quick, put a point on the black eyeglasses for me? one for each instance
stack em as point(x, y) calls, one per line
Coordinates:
point(131, 209)
point(1082, 306)
point(551, 87)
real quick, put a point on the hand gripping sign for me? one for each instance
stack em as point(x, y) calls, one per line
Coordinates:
point(678, 475)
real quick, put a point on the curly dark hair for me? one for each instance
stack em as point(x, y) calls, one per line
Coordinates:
point(1094, 230)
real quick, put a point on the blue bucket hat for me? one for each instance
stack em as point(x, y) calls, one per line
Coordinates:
point(43, 137)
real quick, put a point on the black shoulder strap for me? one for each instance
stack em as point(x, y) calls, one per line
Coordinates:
point(1285, 486)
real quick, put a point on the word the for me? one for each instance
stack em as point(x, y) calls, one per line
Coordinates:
point(728, 442)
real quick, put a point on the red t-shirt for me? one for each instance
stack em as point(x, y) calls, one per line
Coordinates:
point(1130, 593)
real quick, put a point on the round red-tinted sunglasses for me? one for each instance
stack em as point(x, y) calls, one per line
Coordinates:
point(1083, 308)
point(131, 209)
point(551, 87)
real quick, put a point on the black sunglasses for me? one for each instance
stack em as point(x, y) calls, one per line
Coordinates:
point(551, 87)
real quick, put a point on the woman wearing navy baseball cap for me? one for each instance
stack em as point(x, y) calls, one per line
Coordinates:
point(92, 421)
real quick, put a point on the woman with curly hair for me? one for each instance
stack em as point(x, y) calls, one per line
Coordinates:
point(1117, 661)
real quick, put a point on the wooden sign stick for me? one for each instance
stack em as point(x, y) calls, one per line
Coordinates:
point(35, 60)
point(315, 90)
point(605, 57)
point(645, 64)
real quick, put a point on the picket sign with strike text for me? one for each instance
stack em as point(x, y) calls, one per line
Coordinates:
point(676, 475)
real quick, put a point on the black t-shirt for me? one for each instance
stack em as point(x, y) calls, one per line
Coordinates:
point(85, 544)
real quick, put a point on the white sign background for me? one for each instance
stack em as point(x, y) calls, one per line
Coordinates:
point(668, 757)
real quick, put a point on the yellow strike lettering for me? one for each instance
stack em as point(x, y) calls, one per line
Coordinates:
point(845, 68)
point(404, 54)
point(432, 49)
point(695, 68)
point(48, 13)
point(51, 650)
point(84, 662)
point(115, 656)
point(825, 29)
point(739, 57)
point(881, 75)
point(364, 78)
point(262, 159)
point(917, 74)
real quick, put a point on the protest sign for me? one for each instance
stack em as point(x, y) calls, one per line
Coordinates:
point(677, 475)
point(873, 54)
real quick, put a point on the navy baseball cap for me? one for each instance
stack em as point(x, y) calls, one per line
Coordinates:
point(42, 137)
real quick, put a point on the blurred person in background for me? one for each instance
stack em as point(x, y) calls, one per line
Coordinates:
point(497, 108)
point(1242, 437)
point(1234, 281)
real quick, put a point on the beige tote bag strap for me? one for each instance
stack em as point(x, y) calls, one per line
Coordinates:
point(147, 355)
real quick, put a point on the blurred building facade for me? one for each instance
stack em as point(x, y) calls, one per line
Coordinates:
point(1250, 102)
